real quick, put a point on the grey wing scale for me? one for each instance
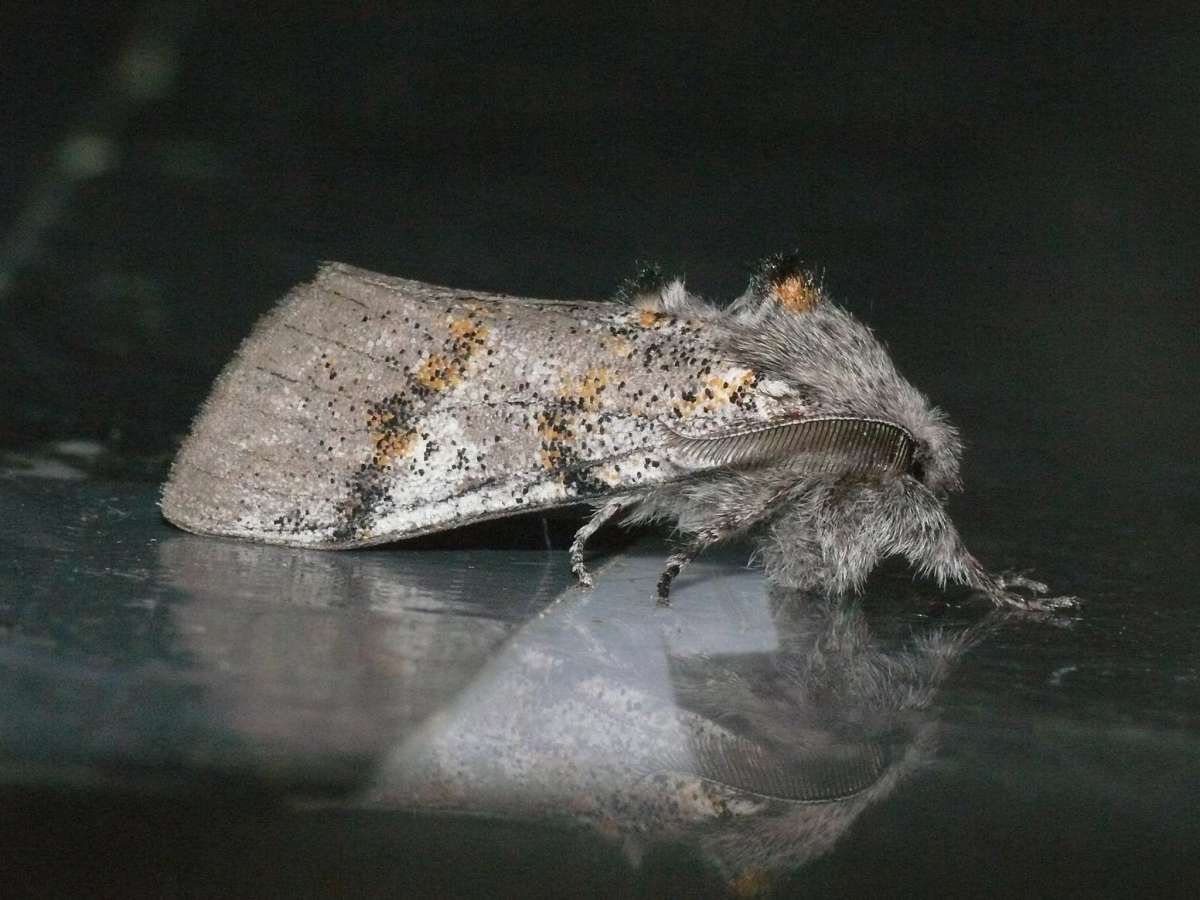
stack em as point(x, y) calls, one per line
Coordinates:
point(841, 445)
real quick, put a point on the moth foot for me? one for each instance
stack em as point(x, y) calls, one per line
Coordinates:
point(1016, 580)
point(1004, 595)
point(583, 576)
point(1009, 600)
point(1063, 601)
point(662, 591)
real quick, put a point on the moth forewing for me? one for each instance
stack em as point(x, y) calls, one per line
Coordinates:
point(366, 409)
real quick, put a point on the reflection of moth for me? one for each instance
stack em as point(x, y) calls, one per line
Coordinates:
point(754, 732)
point(366, 409)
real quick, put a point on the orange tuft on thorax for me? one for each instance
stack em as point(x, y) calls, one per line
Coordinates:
point(799, 293)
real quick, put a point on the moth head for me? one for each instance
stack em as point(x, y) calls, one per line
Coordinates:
point(937, 454)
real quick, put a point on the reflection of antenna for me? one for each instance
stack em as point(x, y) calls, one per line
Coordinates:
point(825, 775)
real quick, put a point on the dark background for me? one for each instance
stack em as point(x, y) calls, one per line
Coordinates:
point(1009, 199)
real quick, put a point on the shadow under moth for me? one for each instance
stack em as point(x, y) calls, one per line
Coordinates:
point(366, 409)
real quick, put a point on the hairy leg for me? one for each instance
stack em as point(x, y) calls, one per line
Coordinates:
point(832, 535)
point(675, 563)
point(689, 551)
point(584, 534)
point(711, 511)
point(909, 520)
point(723, 527)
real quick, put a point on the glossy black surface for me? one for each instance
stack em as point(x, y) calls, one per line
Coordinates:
point(1007, 201)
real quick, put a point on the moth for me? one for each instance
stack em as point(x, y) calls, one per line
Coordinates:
point(367, 409)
